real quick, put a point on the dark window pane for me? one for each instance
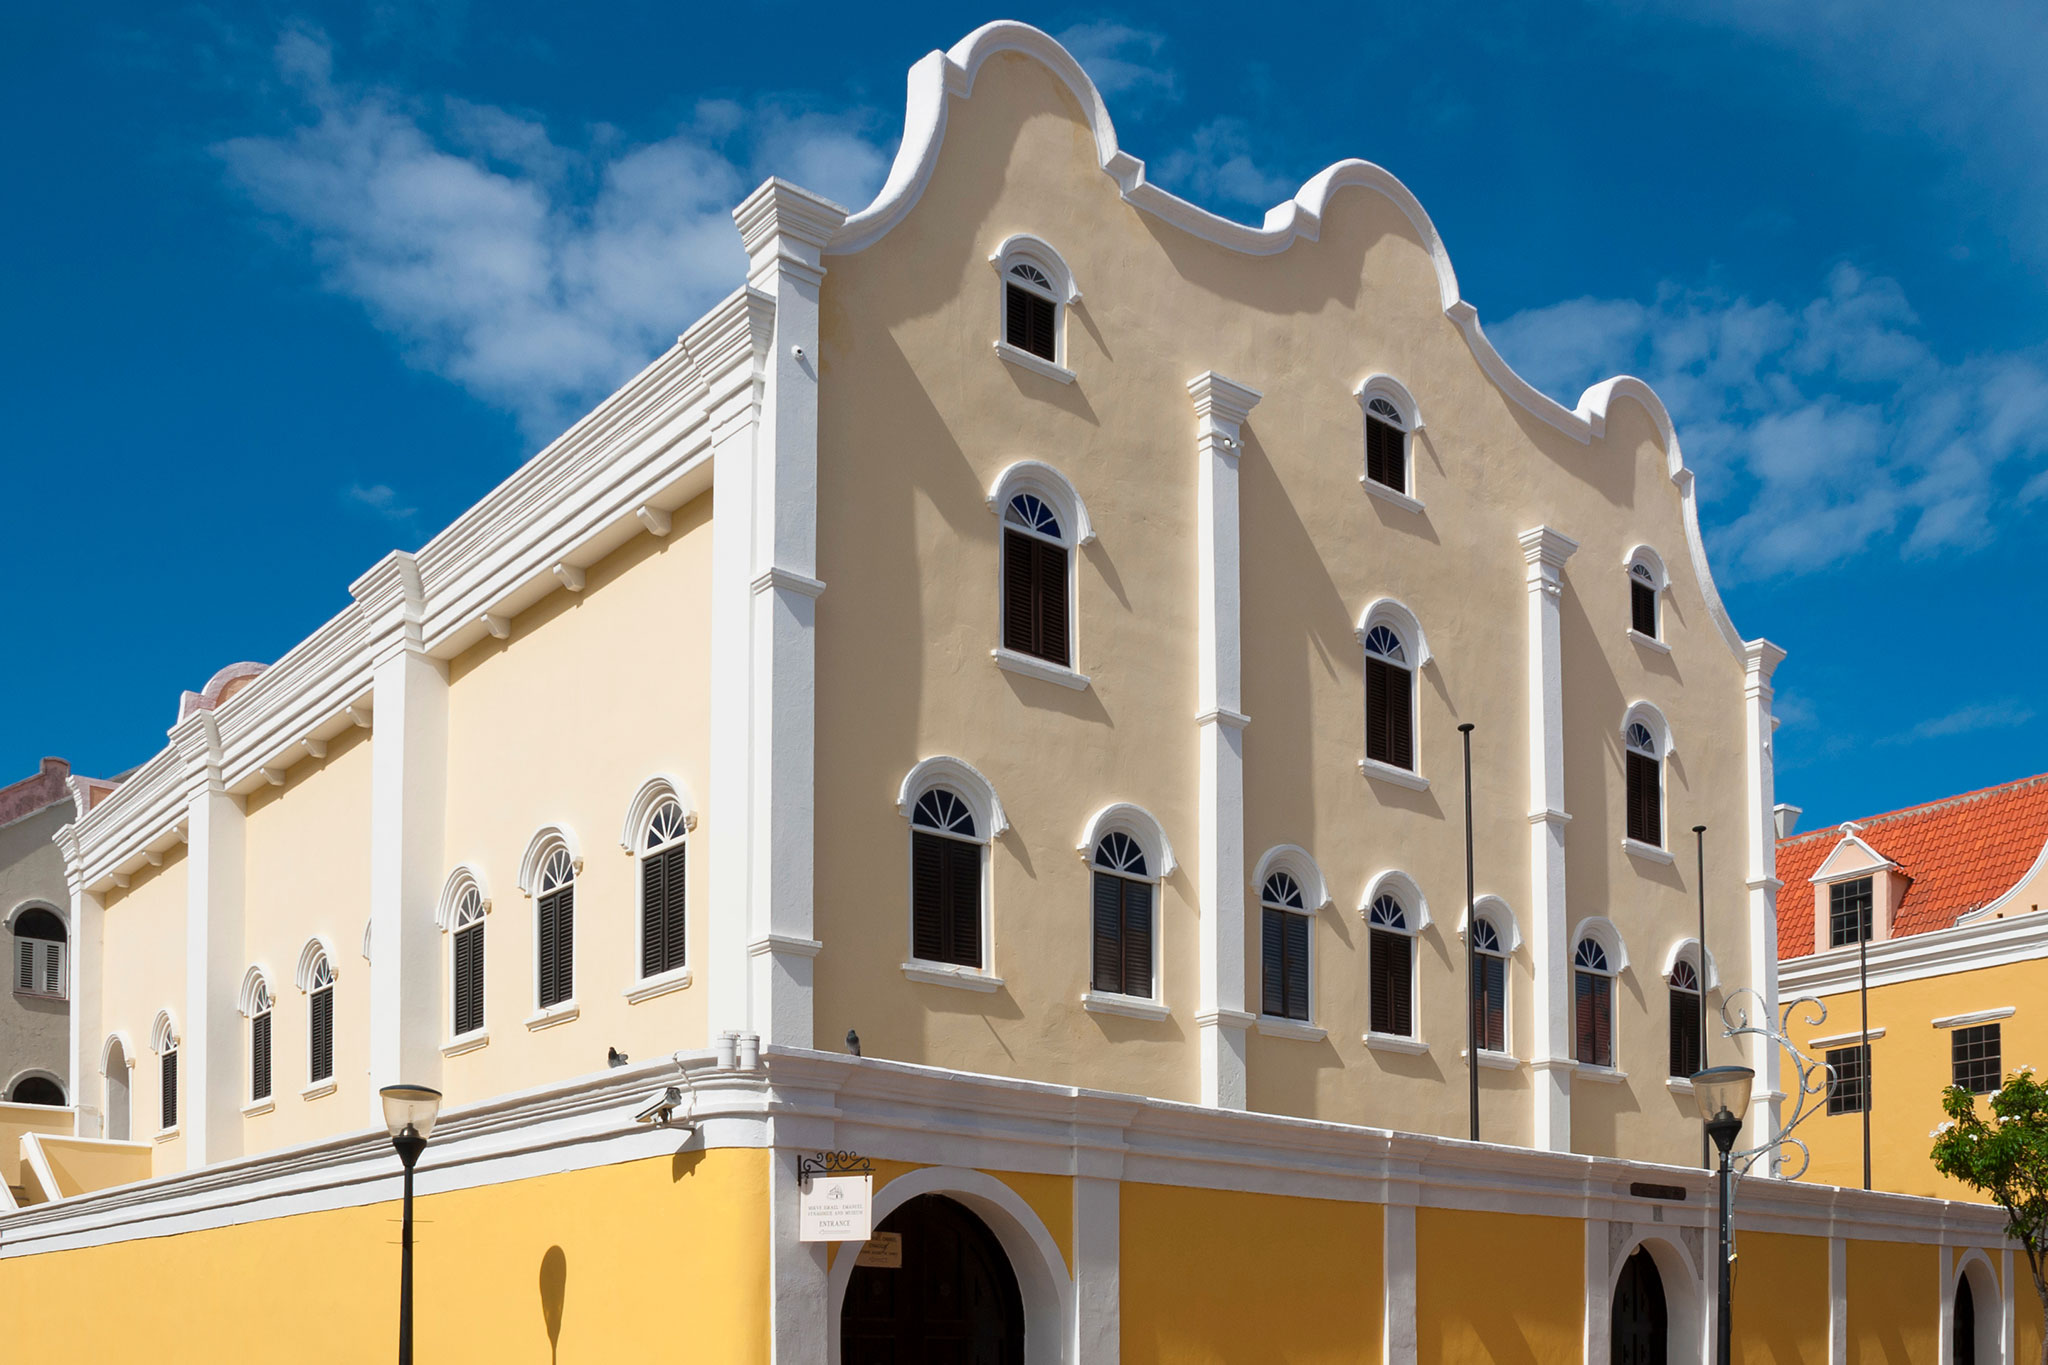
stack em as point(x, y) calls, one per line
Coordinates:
point(469, 979)
point(1849, 1087)
point(1386, 456)
point(1978, 1067)
point(1030, 322)
point(1389, 714)
point(321, 1066)
point(1685, 1032)
point(1849, 912)
point(1489, 1002)
point(259, 1057)
point(1593, 1007)
point(1643, 608)
point(945, 900)
point(1645, 803)
point(1392, 983)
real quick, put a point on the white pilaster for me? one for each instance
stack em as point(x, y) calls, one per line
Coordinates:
point(800, 1303)
point(784, 229)
point(1760, 659)
point(1397, 1310)
point(87, 983)
point(1098, 1270)
point(408, 806)
point(1221, 407)
point(1838, 1301)
point(2008, 1305)
point(210, 1053)
point(1545, 551)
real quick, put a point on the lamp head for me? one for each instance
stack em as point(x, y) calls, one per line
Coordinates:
point(410, 1106)
point(1722, 1094)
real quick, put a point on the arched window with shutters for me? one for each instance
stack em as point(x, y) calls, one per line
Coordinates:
point(39, 943)
point(1592, 1004)
point(1687, 1025)
point(663, 892)
point(163, 1040)
point(1036, 290)
point(255, 1004)
point(1489, 986)
point(316, 979)
point(461, 917)
point(1390, 421)
point(1390, 959)
point(1037, 581)
point(947, 880)
point(554, 924)
point(1286, 936)
point(1122, 918)
point(1646, 745)
point(1646, 584)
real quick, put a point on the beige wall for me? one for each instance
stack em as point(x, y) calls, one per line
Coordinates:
point(918, 416)
point(143, 965)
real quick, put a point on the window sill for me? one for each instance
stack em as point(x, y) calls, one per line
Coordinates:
point(1299, 1029)
point(1387, 772)
point(1649, 642)
point(647, 989)
point(262, 1106)
point(563, 1013)
point(317, 1090)
point(1390, 495)
point(57, 996)
point(1489, 1060)
point(167, 1134)
point(468, 1042)
point(1037, 364)
point(1129, 1006)
point(1010, 661)
point(1678, 1085)
point(1606, 1075)
point(1649, 853)
point(1971, 1020)
point(1394, 1042)
point(946, 974)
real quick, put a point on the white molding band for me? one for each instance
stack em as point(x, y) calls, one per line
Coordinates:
point(1976, 1017)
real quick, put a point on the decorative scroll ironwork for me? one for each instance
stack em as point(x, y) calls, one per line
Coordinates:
point(831, 1163)
point(1815, 1077)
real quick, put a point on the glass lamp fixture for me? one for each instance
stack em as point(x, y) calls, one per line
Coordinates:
point(1722, 1093)
point(414, 1106)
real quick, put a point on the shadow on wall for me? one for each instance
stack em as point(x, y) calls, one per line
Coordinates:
point(554, 1288)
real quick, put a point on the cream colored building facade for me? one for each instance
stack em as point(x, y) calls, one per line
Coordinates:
point(752, 608)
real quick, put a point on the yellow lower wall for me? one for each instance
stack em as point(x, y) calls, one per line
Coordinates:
point(1780, 1300)
point(1224, 1276)
point(603, 1264)
point(1894, 1303)
point(1493, 1287)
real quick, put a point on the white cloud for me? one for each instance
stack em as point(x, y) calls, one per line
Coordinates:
point(382, 499)
point(1122, 60)
point(1823, 430)
point(537, 272)
point(1218, 165)
point(1999, 715)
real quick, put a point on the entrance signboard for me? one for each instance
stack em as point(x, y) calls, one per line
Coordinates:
point(835, 1208)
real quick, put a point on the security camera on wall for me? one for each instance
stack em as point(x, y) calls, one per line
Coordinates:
point(660, 1111)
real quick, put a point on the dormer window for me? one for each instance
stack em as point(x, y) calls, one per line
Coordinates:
point(1036, 288)
point(1850, 906)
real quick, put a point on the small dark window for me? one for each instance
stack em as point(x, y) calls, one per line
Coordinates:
point(1849, 912)
point(1391, 963)
point(1031, 318)
point(1122, 918)
point(38, 1090)
point(259, 1056)
point(168, 1074)
point(1849, 1079)
point(1593, 1005)
point(945, 881)
point(468, 965)
point(1284, 932)
point(1642, 601)
point(557, 927)
point(1389, 700)
point(1490, 989)
point(1644, 784)
point(1975, 1051)
point(1386, 446)
point(1035, 612)
point(662, 892)
point(39, 954)
point(320, 1061)
point(1686, 1023)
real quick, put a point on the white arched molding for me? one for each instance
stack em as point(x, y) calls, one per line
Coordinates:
point(317, 947)
point(1651, 560)
point(1059, 493)
point(253, 981)
point(1647, 715)
point(655, 790)
point(1688, 950)
point(1987, 1299)
point(1021, 248)
point(964, 780)
point(1396, 616)
point(1043, 1280)
point(1496, 912)
point(461, 881)
point(1295, 861)
point(37, 1073)
point(32, 903)
point(1135, 821)
point(163, 1033)
point(1402, 888)
point(118, 1038)
point(1601, 930)
point(1684, 1281)
point(546, 840)
point(1395, 392)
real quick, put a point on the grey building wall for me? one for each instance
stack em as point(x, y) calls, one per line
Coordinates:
point(35, 1031)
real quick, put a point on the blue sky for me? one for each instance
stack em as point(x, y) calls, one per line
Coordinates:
point(292, 285)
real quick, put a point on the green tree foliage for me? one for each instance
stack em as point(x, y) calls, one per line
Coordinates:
point(2004, 1155)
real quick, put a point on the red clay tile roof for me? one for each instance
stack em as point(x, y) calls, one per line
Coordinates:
point(1960, 854)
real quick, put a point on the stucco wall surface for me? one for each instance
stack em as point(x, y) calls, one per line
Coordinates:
point(143, 966)
point(35, 1032)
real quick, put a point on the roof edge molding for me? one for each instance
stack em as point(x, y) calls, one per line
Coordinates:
point(941, 76)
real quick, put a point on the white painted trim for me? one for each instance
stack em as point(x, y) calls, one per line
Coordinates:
point(1649, 642)
point(38, 903)
point(315, 950)
point(1490, 1060)
point(1501, 915)
point(1298, 863)
point(543, 842)
point(1975, 1017)
point(1395, 392)
point(256, 1108)
point(1660, 578)
point(463, 878)
point(1915, 957)
point(1023, 247)
point(1037, 364)
point(1398, 1335)
point(1838, 1300)
point(127, 1050)
point(1394, 1042)
point(1137, 822)
point(1301, 1030)
point(319, 1090)
point(1391, 496)
point(1870, 865)
point(564, 1013)
point(1130, 1006)
point(1031, 666)
point(1649, 853)
point(1403, 888)
point(1606, 1075)
point(1387, 772)
point(468, 1042)
point(1396, 616)
point(1688, 950)
point(1602, 931)
point(1845, 1039)
point(963, 779)
point(950, 974)
point(647, 798)
point(245, 1000)
point(1058, 491)
point(648, 987)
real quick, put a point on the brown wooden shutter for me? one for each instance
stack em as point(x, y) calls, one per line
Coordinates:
point(927, 896)
point(1582, 1020)
point(1052, 602)
point(1493, 1030)
point(653, 921)
point(963, 903)
point(469, 979)
point(1273, 963)
point(1597, 1016)
point(1685, 1033)
point(1392, 980)
point(1107, 934)
point(322, 1061)
point(1030, 321)
point(545, 968)
point(1296, 940)
point(259, 1057)
point(169, 1073)
point(1020, 594)
point(1137, 938)
point(1643, 607)
point(1379, 730)
point(1401, 717)
point(557, 947)
point(674, 910)
point(1645, 816)
point(1384, 462)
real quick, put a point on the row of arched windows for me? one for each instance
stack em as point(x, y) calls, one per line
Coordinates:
point(315, 979)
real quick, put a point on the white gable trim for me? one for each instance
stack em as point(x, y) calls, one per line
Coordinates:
point(1872, 861)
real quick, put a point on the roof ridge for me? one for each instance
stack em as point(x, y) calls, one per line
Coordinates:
point(1923, 809)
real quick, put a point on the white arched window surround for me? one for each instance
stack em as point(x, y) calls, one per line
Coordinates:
point(1402, 888)
point(965, 781)
point(546, 840)
point(118, 1038)
point(1497, 913)
point(1645, 566)
point(36, 1073)
point(256, 995)
point(163, 1033)
point(47, 907)
point(1386, 398)
point(257, 999)
point(1601, 930)
point(461, 881)
point(1985, 1299)
point(1650, 560)
point(1688, 950)
point(655, 790)
point(457, 910)
point(1395, 615)
point(1020, 482)
point(1386, 614)
point(943, 772)
point(1297, 863)
point(1141, 825)
point(1058, 492)
point(1647, 715)
point(1031, 264)
point(316, 951)
point(163, 1040)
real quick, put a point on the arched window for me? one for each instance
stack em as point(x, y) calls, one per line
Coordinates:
point(1037, 287)
point(1644, 779)
point(1391, 961)
point(1642, 600)
point(114, 1066)
point(662, 891)
point(466, 963)
point(555, 930)
point(1593, 1003)
point(1687, 1025)
point(1037, 580)
point(946, 880)
point(37, 1089)
point(1125, 892)
point(163, 1040)
point(1490, 987)
point(255, 1006)
point(319, 988)
point(39, 954)
point(1389, 699)
point(1286, 920)
point(1386, 445)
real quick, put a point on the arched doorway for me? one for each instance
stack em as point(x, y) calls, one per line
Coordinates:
point(115, 1066)
point(1964, 1341)
point(1642, 1325)
point(954, 1299)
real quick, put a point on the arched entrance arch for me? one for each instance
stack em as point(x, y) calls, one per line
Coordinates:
point(952, 1301)
point(1976, 1313)
point(1045, 1289)
point(1656, 1282)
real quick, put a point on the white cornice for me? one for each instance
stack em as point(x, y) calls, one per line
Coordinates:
point(1989, 943)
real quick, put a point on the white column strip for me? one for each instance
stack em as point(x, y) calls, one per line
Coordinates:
point(1397, 1309)
point(1838, 1301)
point(1760, 659)
point(209, 1052)
point(1545, 551)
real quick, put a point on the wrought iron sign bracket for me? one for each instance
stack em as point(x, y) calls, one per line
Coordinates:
point(831, 1163)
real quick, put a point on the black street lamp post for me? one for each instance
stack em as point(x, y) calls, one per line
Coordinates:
point(409, 1112)
point(1722, 1093)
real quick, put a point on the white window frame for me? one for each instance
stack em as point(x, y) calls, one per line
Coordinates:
point(1408, 417)
point(1063, 500)
point(540, 849)
point(1496, 913)
point(655, 794)
point(1407, 628)
point(257, 999)
point(317, 954)
point(1647, 715)
point(449, 917)
point(1603, 933)
point(1139, 826)
point(1293, 861)
point(163, 1040)
point(1022, 248)
point(1659, 582)
point(44, 954)
point(967, 782)
point(1403, 890)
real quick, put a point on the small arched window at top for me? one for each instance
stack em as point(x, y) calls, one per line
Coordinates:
point(1036, 287)
point(1390, 420)
point(1646, 583)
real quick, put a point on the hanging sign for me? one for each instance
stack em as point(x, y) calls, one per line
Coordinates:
point(883, 1251)
point(835, 1208)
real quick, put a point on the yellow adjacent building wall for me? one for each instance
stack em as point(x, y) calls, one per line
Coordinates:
point(1894, 1302)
